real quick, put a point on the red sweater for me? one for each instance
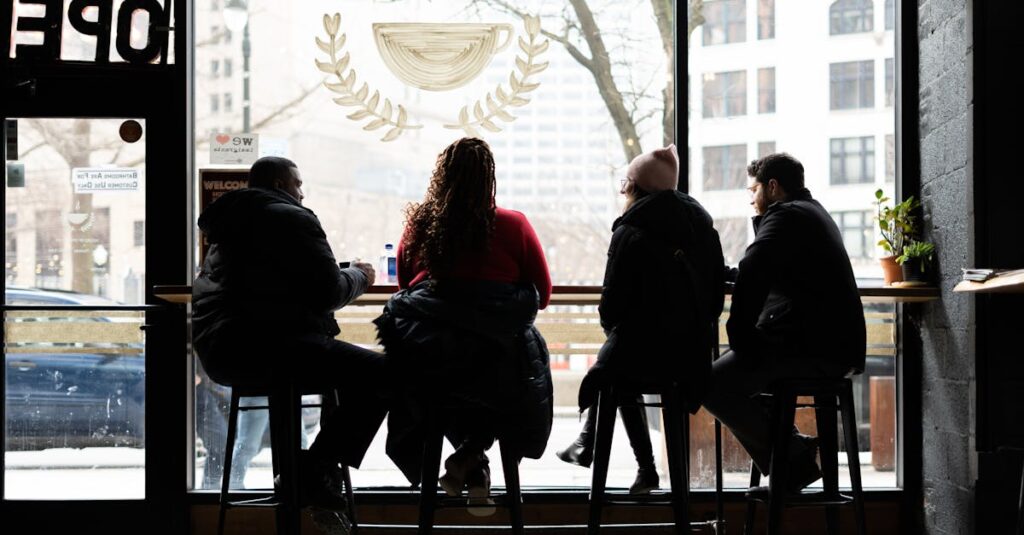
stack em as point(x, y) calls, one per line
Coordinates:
point(514, 255)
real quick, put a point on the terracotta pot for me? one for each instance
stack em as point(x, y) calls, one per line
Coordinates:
point(891, 271)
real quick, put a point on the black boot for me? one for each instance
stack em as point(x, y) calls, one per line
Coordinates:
point(581, 451)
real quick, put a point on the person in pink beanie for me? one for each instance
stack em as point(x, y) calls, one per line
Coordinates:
point(663, 292)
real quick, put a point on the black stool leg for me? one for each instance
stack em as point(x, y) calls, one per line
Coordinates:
point(603, 431)
point(676, 424)
point(285, 407)
point(853, 455)
point(229, 449)
point(755, 480)
point(350, 499)
point(825, 412)
point(434, 439)
point(785, 409)
point(510, 465)
point(1020, 505)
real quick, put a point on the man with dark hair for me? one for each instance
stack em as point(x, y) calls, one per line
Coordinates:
point(795, 312)
point(263, 314)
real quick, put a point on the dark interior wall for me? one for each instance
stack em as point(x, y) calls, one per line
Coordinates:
point(999, 221)
point(947, 326)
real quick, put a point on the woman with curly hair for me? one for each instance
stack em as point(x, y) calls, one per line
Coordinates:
point(472, 276)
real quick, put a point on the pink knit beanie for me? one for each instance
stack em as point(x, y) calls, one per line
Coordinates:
point(657, 170)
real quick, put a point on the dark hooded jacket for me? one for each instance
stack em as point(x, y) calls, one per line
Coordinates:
point(269, 274)
point(795, 293)
point(468, 344)
point(662, 295)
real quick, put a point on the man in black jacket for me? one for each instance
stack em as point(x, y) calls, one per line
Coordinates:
point(795, 312)
point(263, 312)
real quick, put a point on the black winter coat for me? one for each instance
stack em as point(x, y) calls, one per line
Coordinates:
point(795, 293)
point(269, 273)
point(473, 344)
point(662, 295)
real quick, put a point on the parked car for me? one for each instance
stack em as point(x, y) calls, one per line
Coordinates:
point(69, 397)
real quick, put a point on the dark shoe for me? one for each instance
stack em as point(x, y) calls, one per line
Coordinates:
point(478, 487)
point(580, 452)
point(321, 484)
point(457, 467)
point(802, 474)
point(646, 480)
point(331, 522)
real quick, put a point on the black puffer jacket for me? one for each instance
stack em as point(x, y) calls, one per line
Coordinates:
point(795, 294)
point(470, 343)
point(269, 273)
point(663, 292)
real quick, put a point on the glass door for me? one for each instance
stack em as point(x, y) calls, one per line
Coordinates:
point(75, 269)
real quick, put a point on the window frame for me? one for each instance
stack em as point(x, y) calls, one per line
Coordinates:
point(861, 82)
point(843, 11)
point(843, 154)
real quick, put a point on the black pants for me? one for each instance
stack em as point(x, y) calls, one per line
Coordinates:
point(634, 419)
point(736, 380)
point(313, 363)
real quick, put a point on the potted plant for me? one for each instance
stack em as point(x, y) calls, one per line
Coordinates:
point(916, 258)
point(896, 225)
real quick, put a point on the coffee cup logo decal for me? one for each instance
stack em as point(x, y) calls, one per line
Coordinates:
point(439, 57)
point(434, 57)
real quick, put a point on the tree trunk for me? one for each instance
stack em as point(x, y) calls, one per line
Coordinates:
point(601, 68)
point(664, 14)
point(82, 240)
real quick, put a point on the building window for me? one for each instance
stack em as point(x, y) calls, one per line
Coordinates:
point(732, 232)
point(765, 148)
point(766, 90)
point(852, 85)
point(766, 19)
point(228, 68)
point(215, 35)
point(214, 69)
point(725, 21)
point(852, 160)
point(214, 103)
point(890, 158)
point(890, 86)
point(228, 104)
point(725, 94)
point(725, 167)
point(890, 14)
point(139, 233)
point(851, 16)
point(858, 230)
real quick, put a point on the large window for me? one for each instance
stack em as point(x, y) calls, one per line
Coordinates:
point(890, 79)
point(725, 21)
point(852, 85)
point(853, 160)
point(725, 94)
point(559, 161)
point(851, 16)
point(827, 115)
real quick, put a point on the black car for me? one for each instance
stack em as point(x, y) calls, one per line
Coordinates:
point(61, 395)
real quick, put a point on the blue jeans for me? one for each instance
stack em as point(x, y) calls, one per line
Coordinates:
point(252, 425)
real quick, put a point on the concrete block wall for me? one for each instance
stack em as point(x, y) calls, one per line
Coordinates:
point(947, 326)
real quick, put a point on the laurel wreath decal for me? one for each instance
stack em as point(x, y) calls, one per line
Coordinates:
point(498, 104)
point(346, 83)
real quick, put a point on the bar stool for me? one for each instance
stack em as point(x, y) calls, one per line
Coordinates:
point(285, 406)
point(430, 469)
point(677, 444)
point(826, 393)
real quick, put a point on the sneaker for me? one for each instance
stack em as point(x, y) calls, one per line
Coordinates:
point(331, 522)
point(478, 484)
point(646, 480)
point(580, 452)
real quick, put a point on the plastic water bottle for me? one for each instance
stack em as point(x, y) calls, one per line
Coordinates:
point(388, 266)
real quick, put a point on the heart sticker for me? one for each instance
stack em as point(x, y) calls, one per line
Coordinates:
point(223, 138)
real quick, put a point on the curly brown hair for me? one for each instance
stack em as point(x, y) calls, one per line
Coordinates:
point(457, 214)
